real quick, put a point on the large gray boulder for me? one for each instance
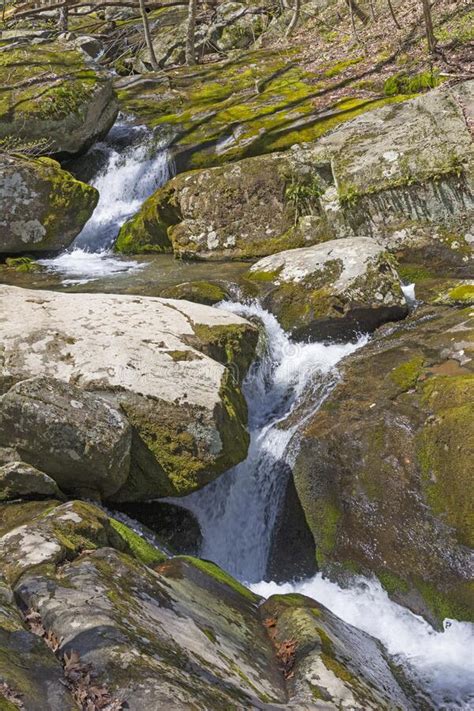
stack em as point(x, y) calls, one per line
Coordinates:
point(384, 466)
point(243, 210)
point(77, 438)
point(173, 367)
point(405, 173)
point(42, 207)
point(54, 101)
point(332, 290)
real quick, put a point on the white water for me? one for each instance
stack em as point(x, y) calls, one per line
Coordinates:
point(134, 168)
point(439, 663)
point(237, 512)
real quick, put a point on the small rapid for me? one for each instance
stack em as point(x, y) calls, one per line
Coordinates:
point(130, 168)
point(237, 515)
point(237, 512)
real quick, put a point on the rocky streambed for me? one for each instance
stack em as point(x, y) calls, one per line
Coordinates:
point(235, 448)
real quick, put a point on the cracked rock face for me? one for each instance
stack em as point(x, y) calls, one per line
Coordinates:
point(332, 290)
point(171, 367)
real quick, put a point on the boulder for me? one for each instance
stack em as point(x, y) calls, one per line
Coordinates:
point(55, 101)
point(173, 367)
point(179, 632)
point(19, 480)
point(333, 290)
point(405, 173)
point(248, 209)
point(31, 677)
point(42, 208)
point(328, 663)
point(75, 437)
point(385, 464)
point(201, 292)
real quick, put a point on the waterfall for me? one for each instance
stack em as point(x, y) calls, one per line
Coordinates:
point(237, 512)
point(131, 168)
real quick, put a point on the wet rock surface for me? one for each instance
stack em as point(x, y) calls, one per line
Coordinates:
point(384, 466)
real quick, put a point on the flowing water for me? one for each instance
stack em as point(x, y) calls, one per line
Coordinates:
point(131, 170)
point(237, 513)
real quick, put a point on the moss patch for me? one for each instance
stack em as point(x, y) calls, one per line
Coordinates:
point(221, 576)
point(138, 546)
point(405, 376)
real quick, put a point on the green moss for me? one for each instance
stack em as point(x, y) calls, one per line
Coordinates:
point(6, 705)
point(410, 273)
point(403, 83)
point(392, 583)
point(138, 546)
point(258, 275)
point(22, 264)
point(221, 576)
point(328, 516)
point(147, 231)
point(339, 67)
point(457, 604)
point(462, 294)
point(201, 292)
point(440, 443)
point(405, 376)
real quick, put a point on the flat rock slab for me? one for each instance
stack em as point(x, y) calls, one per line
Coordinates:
point(157, 359)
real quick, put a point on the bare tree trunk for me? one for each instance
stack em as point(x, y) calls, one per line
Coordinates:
point(63, 18)
point(295, 18)
point(430, 37)
point(190, 52)
point(392, 12)
point(372, 9)
point(355, 9)
point(146, 32)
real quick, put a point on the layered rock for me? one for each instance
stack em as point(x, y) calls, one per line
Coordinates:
point(248, 209)
point(171, 633)
point(332, 290)
point(172, 367)
point(385, 464)
point(404, 173)
point(54, 101)
point(42, 208)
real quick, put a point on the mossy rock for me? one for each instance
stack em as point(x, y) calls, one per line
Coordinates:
point(43, 208)
point(257, 102)
point(249, 209)
point(201, 292)
point(385, 464)
point(55, 102)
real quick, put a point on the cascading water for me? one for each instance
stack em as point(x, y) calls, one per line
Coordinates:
point(131, 169)
point(238, 511)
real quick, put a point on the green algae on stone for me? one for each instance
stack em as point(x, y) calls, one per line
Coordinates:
point(201, 292)
point(137, 545)
point(214, 571)
point(405, 376)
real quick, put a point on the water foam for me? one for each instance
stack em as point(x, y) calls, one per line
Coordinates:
point(237, 512)
point(440, 664)
point(134, 168)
